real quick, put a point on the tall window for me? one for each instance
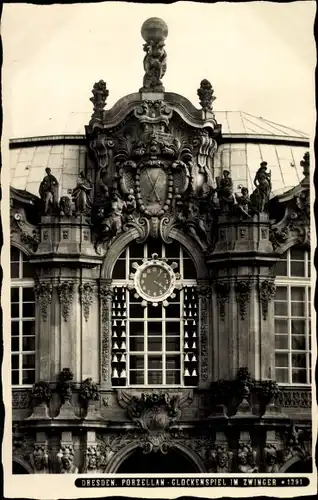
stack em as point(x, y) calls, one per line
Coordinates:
point(22, 320)
point(154, 346)
point(292, 318)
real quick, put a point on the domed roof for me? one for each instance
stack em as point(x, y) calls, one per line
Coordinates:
point(246, 141)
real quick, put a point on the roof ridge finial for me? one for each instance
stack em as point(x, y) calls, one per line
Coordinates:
point(154, 31)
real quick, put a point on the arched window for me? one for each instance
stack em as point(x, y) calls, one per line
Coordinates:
point(292, 318)
point(154, 346)
point(22, 320)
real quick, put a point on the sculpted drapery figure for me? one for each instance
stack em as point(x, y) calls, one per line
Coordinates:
point(225, 191)
point(48, 191)
point(82, 194)
point(263, 184)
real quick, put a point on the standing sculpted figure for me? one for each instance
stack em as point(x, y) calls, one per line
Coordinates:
point(225, 191)
point(82, 194)
point(48, 191)
point(263, 184)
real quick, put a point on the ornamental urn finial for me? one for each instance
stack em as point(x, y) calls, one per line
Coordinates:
point(206, 97)
point(154, 31)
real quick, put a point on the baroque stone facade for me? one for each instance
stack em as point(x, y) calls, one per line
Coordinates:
point(152, 177)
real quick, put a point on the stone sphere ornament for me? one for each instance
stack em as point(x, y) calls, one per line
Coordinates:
point(155, 29)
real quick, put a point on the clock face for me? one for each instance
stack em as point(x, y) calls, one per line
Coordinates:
point(155, 281)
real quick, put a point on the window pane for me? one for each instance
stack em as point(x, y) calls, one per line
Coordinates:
point(281, 308)
point(136, 251)
point(281, 293)
point(297, 268)
point(27, 270)
point(173, 328)
point(136, 343)
point(173, 250)
point(173, 377)
point(14, 310)
point(173, 344)
point(15, 254)
point(189, 271)
point(154, 312)
point(28, 361)
point(173, 362)
point(281, 375)
point(28, 343)
point(281, 360)
point(173, 311)
point(14, 377)
point(119, 271)
point(136, 328)
point(299, 377)
point(136, 377)
point(281, 325)
point(14, 270)
point(154, 344)
point(28, 376)
point(297, 254)
point(154, 328)
point(299, 360)
point(28, 295)
point(14, 328)
point(281, 341)
point(154, 377)
point(298, 327)
point(155, 362)
point(28, 328)
point(14, 344)
point(297, 309)
point(299, 342)
point(298, 293)
point(15, 362)
point(136, 362)
point(28, 310)
point(14, 294)
point(136, 311)
point(281, 268)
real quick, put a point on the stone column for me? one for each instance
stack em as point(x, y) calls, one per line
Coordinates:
point(241, 264)
point(90, 342)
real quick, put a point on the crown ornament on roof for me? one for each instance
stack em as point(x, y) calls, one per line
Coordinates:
point(154, 31)
point(206, 97)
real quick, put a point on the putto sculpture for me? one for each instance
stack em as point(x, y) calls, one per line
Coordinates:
point(154, 31)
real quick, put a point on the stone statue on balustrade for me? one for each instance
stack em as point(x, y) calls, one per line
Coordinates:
point(263, 184)
point(81, 195)
point(48, 191)
point(225, 192)
point(243, 203)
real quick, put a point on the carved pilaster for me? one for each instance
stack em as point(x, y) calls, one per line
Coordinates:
point(40, 458)
point(65, 458)
point(65, 291)
point(242, 289)
point(222, 292)
point(267, 291)
point(43, 293)
point(86, 296)
point(204, 294)
point(105, 294)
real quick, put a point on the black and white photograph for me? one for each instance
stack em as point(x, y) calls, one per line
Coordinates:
point(158, 276)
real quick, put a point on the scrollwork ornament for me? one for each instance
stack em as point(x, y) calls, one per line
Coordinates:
point(222, 292)
point(267, 292)
point(243, 289)
point(65, 291)
point(86, 294)
point(43, 293)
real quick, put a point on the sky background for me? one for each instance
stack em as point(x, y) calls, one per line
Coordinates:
point(259, 56)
